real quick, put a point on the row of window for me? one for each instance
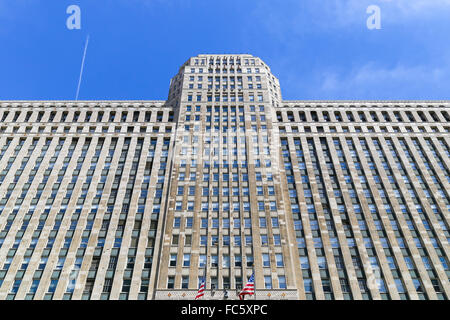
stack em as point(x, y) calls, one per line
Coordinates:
point(225, 260)
point(357, 129)
point(226, 98)
point(77, 220)
point(103, 129)
point(86, 116)
point(213, 284)
point(347, 186)
point(225, 70)
point(232, 80)
point(225, 109)
point(363, 116)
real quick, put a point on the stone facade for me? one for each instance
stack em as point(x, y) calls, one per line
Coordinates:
point(143, 199)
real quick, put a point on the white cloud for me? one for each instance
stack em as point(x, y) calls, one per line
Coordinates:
point(418, 6)
point(311, 15)
point(296, 23)
point(374, 81)
point(401, 11)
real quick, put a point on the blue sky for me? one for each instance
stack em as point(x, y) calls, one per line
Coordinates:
point(319, 49)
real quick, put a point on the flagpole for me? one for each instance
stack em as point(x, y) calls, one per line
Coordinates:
point(204, 276)
point(254, 280)
point(207, 214)
point(207, 227)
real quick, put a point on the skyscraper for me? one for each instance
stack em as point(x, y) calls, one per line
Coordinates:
point(144, 199)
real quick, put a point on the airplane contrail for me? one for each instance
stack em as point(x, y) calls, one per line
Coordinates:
point(82, 67)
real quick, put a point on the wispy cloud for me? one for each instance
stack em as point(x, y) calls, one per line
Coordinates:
point(402, 61)
point(373, 81)
point(309, 15)
point(418, 6)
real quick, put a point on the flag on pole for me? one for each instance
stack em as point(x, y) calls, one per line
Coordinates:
point(201, 290)
point(249, 288)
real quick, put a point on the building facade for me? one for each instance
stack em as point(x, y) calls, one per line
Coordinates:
point(144, 199)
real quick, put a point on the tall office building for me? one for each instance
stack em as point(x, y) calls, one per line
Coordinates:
point(145, 199)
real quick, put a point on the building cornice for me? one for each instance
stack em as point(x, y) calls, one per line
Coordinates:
point(363, 101)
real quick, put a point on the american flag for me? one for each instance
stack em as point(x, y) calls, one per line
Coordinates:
point(201, 290)
point(249, 288)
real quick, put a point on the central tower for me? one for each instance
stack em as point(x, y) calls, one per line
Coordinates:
point(225, 209)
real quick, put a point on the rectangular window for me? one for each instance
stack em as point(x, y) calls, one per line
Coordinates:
point(53, 284)
point(264, 240)
point(308, 285)
point(277, 240)
point(185, 282)
point(173, 260)
point(186, 260)
point(279, 259)
point(202, 261)
point(266, 260)
point(282, 282)
point(249, 259)
point(268, 282)
point(170, 282)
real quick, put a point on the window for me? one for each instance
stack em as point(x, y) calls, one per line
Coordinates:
point(436, 285)
point(202, 261)
point(273, 206)
point(126, 285)
point(186, 260)
point(308, 285)
point(203, 240)
point(262, 221)
point(214, 261)
point(226, 261)
point(170, 282)
point(264, 240)
point(130, 262)
point(268, 282)
point(277, 240)
point(53, 284)
point(187, 240)
point(266, 260)
point(282, 282)
point(16, 286)
point(185, 282)
point(304, 262)
point(173, 260)
point(259, 191)
point(279, 259)
point(381, 286)
point(34, 286)
point(322, 263)
point(144, 285)
point(399, 285)
point(275, 222)
point(249, 259)
point(189, 222)
point(326, 286)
